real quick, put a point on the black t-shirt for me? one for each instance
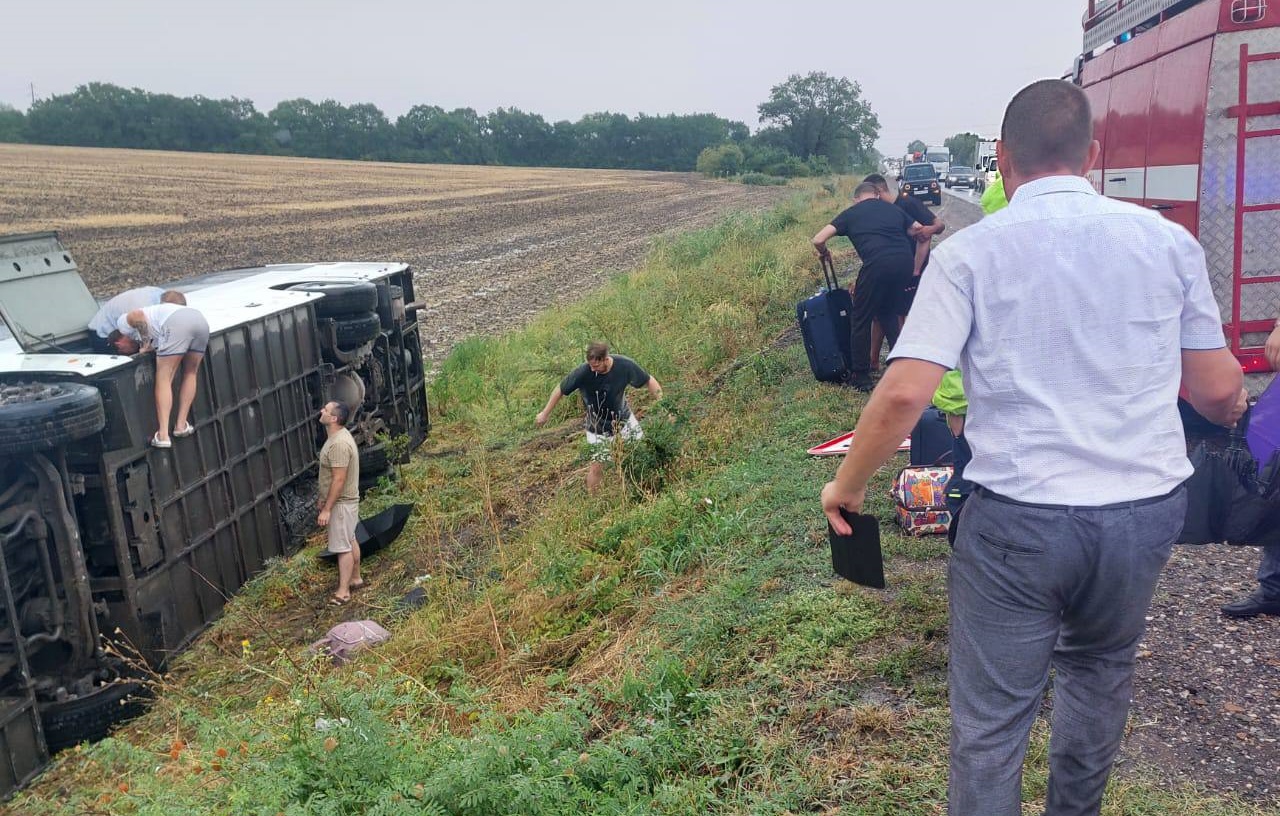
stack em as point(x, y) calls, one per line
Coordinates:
point(604, 395)
point(915, 208)
point(877, 230)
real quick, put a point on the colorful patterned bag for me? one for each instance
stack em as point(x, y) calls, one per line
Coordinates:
point(921, 496)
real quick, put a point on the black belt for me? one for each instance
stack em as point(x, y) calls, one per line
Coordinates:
point(1125, 505)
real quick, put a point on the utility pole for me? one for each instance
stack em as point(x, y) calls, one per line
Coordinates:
point(33, 93)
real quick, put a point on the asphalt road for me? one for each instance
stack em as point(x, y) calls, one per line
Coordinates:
point(959, 209)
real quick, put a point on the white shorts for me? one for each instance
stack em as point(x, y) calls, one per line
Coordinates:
point(601, 445)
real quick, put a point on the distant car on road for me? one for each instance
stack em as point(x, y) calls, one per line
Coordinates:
point(919, 180)
point(961, 177)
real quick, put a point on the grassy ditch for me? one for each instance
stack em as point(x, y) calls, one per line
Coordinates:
point(675, 645)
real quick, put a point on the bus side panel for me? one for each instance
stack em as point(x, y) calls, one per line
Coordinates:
point(216, 494)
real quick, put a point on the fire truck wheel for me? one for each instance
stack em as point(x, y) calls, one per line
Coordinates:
point(37, 416)
point(354, 330)
point(341, 297)
point(90, 717)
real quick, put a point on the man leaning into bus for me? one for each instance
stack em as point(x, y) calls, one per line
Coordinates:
point(1078, 453)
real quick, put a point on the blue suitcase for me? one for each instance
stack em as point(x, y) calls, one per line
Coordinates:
point(826, 330)
point(931, 440)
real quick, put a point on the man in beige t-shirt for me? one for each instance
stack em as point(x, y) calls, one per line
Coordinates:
point(340, 497)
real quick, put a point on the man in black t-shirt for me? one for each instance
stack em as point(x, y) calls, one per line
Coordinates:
point(883, 236)
point(603, 381)
point(931, 225)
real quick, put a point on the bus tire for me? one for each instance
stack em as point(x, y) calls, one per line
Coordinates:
point(37, 416)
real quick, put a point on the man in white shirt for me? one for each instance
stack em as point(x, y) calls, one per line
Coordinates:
point(1072, 317)
point(103, 324)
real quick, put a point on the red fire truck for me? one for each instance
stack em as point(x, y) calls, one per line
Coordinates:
point(1186, 104)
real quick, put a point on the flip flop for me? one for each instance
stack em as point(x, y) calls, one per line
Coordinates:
point(184, 432)
point(360, 585)
point(334, 600)
point(157, 442)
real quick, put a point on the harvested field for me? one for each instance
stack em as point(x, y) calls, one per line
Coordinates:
point(491, 246)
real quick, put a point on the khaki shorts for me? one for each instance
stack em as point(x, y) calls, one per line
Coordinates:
point(600, 446)
point(342, 526)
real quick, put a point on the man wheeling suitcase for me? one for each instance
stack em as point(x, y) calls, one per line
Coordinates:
point(881, 233)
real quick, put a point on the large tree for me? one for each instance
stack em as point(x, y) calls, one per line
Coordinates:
point(964, 148)
point(429, 133)
point(12, 123)
point(821, 115)
point(917, 146)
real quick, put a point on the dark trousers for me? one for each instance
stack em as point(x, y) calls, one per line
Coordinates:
point(875, 297)
point(1034, 587)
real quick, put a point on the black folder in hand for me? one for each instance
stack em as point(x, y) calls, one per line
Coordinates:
point(856, 556)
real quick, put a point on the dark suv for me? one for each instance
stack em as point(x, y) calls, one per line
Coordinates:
point(921, 181)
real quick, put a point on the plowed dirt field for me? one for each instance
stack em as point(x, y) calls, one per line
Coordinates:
point(491, 246)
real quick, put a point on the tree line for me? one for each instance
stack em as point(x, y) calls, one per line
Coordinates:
point(802, 132)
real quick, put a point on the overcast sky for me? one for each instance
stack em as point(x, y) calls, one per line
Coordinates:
point(929, 68)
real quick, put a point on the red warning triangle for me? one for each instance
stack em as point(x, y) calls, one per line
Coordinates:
point(840, 446)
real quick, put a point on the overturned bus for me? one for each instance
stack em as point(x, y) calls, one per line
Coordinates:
point(101, 533)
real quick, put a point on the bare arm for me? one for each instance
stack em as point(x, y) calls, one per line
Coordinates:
point(922, 255)
point(137, 320)
point(893, 411)
point(335, 490)
point(541, 419)
point(655, 389)
point(1273, 347)
point(936, 228)
point(1215, 384)
point(820, 240)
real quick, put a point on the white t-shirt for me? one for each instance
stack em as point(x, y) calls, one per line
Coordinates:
point(109, 314)
point(156, 316)
point(1067, 313)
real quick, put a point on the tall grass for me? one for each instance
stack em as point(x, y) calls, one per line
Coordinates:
point(674, 645)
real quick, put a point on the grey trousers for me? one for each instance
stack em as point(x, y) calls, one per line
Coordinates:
point(1034, 586)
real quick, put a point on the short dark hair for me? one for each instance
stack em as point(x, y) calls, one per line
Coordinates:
point(865, 188)
point(1047, 126)
point(597, 351)
point(173, 296)
point(881, 183)
point(341, 412)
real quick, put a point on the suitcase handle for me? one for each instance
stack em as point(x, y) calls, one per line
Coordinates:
point(829, 272)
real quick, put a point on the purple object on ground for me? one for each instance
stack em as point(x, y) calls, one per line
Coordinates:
point(1263, 435)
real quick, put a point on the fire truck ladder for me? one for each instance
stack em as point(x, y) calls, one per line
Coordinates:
point(1108, 19)
point(1241, 112)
